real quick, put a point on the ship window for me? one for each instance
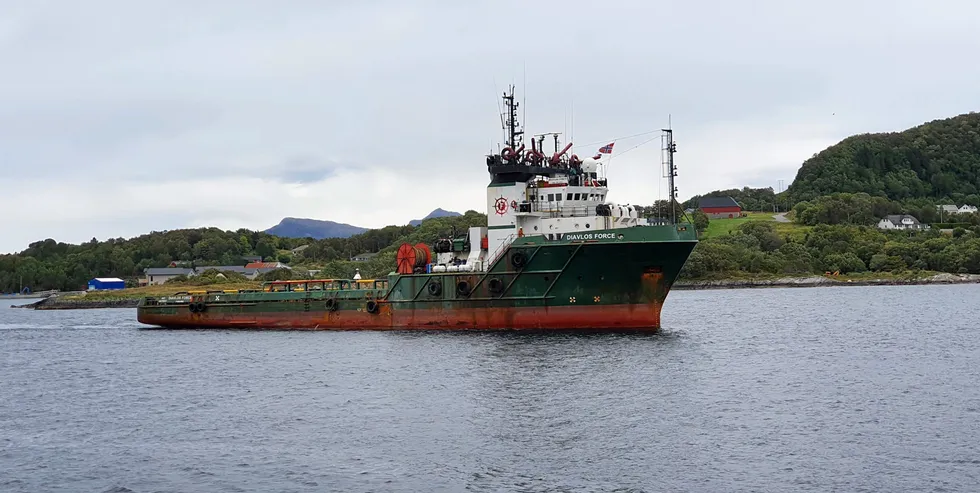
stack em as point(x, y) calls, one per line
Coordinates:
point(551, 197)
point(568, 197)
point(578, 196)
point(541, 197)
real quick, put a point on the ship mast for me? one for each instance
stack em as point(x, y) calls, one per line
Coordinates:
point(511, 123)
point(670, 147)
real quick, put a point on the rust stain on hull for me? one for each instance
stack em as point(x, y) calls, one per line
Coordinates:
point(644, 316)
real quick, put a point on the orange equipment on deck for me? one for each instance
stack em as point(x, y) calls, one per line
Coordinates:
point(409, 257)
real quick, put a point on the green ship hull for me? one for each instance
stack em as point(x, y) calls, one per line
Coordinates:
point(608, 279)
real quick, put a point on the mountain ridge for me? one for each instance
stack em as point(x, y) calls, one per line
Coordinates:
point(320, 229)
point(438, 212)
point(296, 227)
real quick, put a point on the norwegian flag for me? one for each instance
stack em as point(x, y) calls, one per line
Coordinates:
point(606, 149)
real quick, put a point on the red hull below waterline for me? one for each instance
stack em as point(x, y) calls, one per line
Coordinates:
point(644, 317)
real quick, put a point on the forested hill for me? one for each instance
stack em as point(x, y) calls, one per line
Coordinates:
point(50, 264)
point(751, 199)
point(938, 160)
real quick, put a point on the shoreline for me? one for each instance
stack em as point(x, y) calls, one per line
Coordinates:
point(822, 281)
point(54, 303)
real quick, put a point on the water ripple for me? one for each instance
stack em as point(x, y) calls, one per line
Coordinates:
point(852, 389)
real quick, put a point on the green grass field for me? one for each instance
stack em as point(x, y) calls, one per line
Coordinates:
point(719, 227)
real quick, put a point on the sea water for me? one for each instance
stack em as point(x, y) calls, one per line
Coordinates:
point(798, 389)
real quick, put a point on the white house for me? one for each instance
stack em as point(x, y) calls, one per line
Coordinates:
point(364, 257)
point(967, 209)
point(160, 275)
point(900, 221)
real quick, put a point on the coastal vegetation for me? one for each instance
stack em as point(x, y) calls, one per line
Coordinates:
point(758, 247)
point(751, 199)
point(936, 160)
point(49, 264)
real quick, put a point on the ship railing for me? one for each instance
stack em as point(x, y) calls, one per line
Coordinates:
point(555, 209)
point(500, 250)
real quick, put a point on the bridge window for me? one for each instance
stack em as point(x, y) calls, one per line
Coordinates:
point(568, 197)
point(551, 197)
point(578, 196)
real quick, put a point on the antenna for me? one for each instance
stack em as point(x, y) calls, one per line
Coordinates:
point(500, 111)
point(670, 147)
point(511, 124)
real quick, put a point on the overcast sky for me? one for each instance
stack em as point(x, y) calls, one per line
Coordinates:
point(119, 117)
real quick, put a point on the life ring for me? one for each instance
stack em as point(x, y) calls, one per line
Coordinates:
point(462, 288)
point(435, 289)
point(518, 259)
point(330, 304)
point(371, 306)
point(495, 285)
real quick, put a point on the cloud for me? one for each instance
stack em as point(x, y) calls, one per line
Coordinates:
point(307, 169)
point(119, 118)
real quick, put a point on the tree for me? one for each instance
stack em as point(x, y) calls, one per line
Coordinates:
point(265, 248)
point(700, 220)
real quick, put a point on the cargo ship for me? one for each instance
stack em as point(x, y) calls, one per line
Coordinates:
point(555, 255)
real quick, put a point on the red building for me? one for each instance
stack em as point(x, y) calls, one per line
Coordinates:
point(264, 265)
point(720, 207)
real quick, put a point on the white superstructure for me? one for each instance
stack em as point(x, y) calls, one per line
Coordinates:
point(536, 192)
point(553, 193)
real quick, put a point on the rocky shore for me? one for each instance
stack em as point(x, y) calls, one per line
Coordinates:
point(56, 303)
point(819, 281)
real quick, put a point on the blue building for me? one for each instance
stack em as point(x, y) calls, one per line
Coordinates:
point(105, 283)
